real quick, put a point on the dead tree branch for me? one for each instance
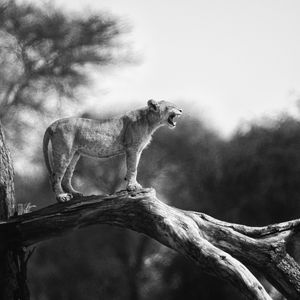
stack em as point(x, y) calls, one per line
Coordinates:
point(220, 248)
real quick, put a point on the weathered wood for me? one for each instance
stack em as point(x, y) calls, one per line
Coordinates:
point(220, 248)
point(7, 193)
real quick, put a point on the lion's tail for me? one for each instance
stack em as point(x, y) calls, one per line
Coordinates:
point(47, 136)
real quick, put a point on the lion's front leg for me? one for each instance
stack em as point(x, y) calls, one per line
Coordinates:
point(132, 161)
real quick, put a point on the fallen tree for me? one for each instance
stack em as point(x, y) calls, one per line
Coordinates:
point(219, 248)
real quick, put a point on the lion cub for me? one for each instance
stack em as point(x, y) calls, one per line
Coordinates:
point(127, 134)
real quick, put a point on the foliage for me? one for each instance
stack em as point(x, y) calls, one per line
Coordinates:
point(45, 51)
point(260, 174)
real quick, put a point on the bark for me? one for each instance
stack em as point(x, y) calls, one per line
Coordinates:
point(219, 248)
point(7, 194)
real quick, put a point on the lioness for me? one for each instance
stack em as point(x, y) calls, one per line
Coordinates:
point(129, 134)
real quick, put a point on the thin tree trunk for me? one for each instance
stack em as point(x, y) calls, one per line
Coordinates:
point(7, 192)
point(12, 258)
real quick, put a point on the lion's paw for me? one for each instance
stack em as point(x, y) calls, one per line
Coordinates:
point(133, 187)
point(64, 197)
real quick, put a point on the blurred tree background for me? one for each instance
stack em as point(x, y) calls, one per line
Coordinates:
point(46, 56)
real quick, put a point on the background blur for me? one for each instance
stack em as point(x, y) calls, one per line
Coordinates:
point(234, 67)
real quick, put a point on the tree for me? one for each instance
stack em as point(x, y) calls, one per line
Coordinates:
point(219, 247)
point(45, 51)
point(262, 163)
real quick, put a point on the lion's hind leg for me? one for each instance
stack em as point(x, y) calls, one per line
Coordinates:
point(60, 163)
point(67, 179)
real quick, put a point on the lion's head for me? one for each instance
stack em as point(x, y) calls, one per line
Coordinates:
point(166, 113)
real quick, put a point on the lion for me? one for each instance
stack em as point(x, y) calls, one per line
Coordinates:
point(127, 134)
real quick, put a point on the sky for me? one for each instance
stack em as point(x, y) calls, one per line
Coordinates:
point(225, 61)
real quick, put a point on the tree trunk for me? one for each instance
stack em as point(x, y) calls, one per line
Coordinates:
point(7, 192)
point(12, 258)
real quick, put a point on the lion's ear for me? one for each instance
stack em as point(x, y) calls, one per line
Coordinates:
point(153, 105)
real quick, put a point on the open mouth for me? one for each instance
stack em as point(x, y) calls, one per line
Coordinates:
point(172, 119)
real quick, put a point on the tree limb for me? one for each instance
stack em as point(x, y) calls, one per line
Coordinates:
point(220, 248)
